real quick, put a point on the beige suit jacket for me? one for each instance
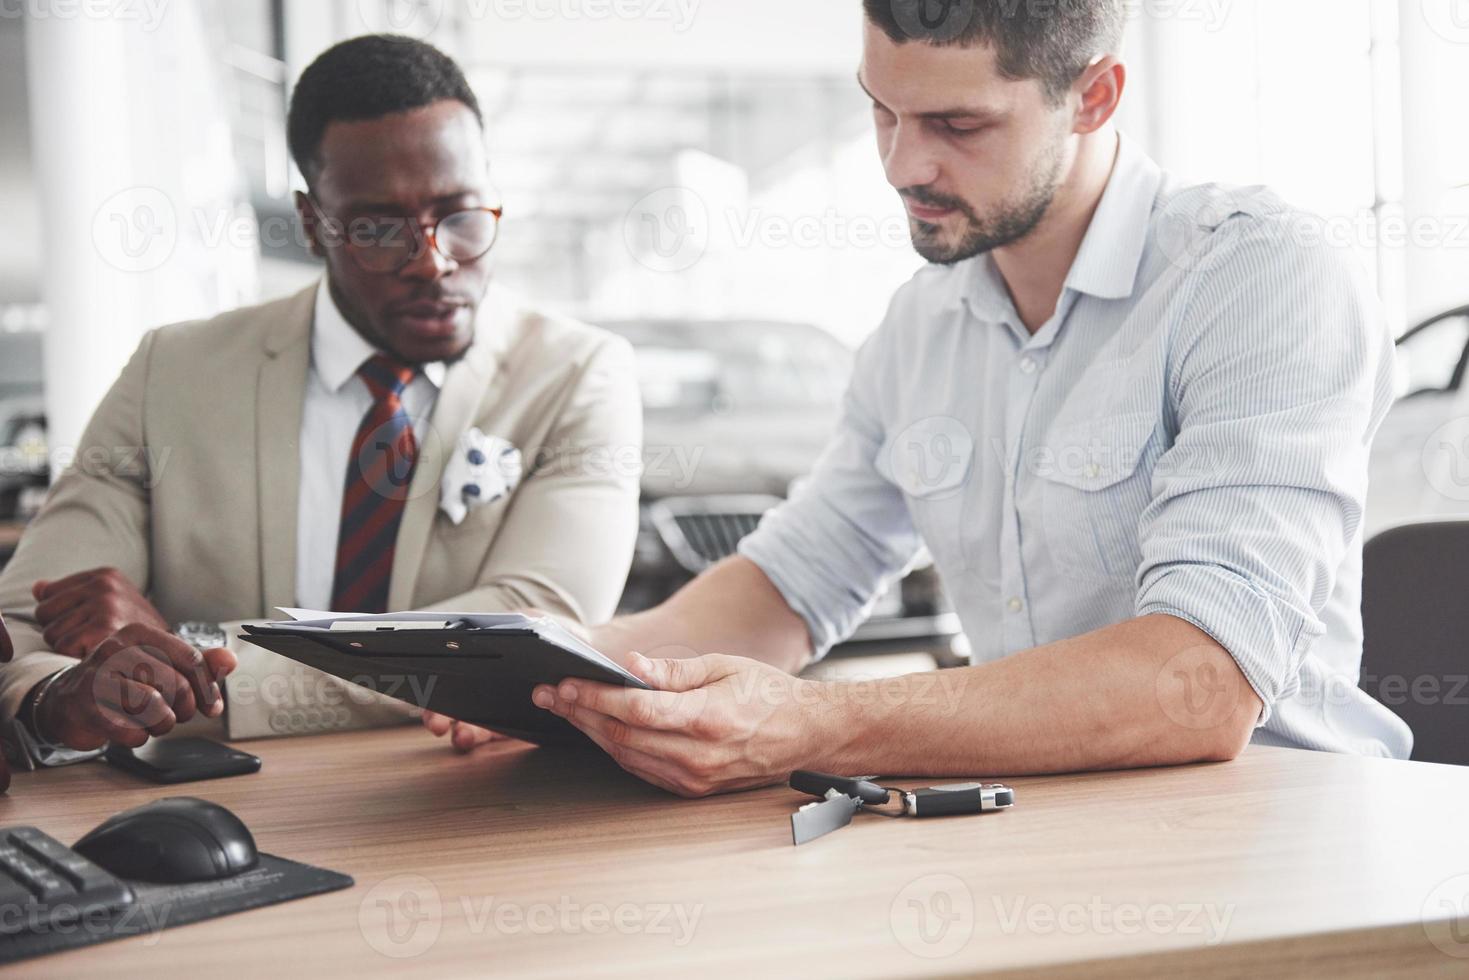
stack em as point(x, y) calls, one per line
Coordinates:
point(187, 481)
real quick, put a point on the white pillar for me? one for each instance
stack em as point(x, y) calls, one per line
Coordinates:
point(80, 114)
point(1435, 73)
point(141, 224)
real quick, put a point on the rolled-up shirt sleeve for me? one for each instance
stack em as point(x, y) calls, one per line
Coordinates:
point(1280, 375)
point(841, 539)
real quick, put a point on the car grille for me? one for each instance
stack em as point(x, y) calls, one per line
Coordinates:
point(700, 531)
point(715, 536)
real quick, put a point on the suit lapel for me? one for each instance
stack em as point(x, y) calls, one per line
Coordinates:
point(468, 385)
point(280, 398)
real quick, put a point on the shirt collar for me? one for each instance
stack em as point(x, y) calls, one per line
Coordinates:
point(337, 350)
point(1106, 265)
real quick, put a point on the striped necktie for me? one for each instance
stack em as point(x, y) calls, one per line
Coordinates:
point(378, 474)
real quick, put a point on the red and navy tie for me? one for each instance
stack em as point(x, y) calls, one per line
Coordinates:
point(378, 475)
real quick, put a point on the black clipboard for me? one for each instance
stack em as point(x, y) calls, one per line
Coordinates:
point(481, 676)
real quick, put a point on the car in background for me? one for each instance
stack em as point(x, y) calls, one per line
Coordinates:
point(1420, 460)
point(735, 414)
point(24, 462)
point(24, 470)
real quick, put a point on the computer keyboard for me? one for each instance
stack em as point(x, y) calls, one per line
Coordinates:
point(44, 883)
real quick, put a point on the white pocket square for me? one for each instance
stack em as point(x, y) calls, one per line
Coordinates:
point(482, 470)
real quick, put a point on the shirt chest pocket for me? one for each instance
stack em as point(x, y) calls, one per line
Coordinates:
point(1093, 478)
point(932, 462)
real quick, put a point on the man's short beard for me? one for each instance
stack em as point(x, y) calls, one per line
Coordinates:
point(1013, 221)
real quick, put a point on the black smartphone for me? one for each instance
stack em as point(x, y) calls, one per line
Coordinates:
point(183, 760)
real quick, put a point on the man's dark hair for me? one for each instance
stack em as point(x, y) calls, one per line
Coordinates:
point(366, 78)
point(1050, 40)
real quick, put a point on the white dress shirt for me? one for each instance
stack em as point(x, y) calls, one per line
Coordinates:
point(1187, 435)
point(336, 402)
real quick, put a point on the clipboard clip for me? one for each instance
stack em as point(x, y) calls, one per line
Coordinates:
point(393, 626)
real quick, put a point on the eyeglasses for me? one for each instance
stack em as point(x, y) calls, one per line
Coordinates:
point(388, 244)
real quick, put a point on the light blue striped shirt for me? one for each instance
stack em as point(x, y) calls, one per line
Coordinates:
point(1187, 435)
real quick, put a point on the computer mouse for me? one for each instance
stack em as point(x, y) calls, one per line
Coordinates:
point(174, 840)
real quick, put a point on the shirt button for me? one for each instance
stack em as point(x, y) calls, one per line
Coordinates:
point(1015, 604)
point(1028, 365)
point(1093, 471)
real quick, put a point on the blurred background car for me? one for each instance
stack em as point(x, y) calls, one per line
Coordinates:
point(1420, 460)
point(24, 462)
point(736, 412)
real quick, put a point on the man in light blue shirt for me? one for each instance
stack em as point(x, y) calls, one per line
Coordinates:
point(1129, 418)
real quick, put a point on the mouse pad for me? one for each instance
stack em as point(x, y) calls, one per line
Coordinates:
point(159, 907)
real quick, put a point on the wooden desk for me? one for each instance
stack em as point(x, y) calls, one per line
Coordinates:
point(522, 862)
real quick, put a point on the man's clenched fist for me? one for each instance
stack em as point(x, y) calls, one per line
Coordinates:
point(80, 611)
point(139, 681)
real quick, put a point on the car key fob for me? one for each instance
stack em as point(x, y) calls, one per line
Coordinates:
point(951, 798)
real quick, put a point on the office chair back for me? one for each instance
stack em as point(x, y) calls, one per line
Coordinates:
point(1415, 621)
